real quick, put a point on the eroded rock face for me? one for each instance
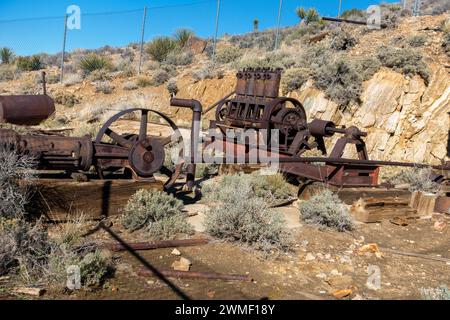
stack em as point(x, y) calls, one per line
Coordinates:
point(406, 120)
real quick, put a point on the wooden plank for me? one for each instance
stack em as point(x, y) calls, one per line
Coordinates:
point(59, 199)
point(375, 210)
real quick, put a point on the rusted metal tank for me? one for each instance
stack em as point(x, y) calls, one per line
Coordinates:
point(25, 109)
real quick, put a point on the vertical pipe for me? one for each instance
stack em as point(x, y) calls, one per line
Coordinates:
point(277, 35)
point(44, 84)
point(141, 50)
point(340, 8)
point(217, 31)
point(64, 48)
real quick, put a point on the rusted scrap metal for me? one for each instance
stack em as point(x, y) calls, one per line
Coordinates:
point(195, 275)
point(362, 23)
point(158, 244)
point(25, 109)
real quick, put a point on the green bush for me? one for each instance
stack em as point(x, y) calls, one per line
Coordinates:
point(159, 213)
point(93, 62)
point(32, 63)
point(417, 178)
point(315, 56)
point(104, 87)
point(66, 99)
point(179, 58)
point(15, 182)
point(7, 73)
point(144, 82)
point(273, 189)
point(341, 39)
point(272, 60)
point(341, 80)
point(228, 54)
point(6, 55)
point(405, 60)
point(446, 43)
point(182, 37)
point(326, 210)
point(130, 85)
point(159, 48)
point(368, 66)
point(417, 40)
point(294, 78)
point(243, 217)
point(172, 87)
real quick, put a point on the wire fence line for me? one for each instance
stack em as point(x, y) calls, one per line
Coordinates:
point(137, 19)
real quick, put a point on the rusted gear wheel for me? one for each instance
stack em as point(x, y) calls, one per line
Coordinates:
point(146, 153)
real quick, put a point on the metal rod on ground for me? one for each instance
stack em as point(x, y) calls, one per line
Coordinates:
point(217, 31)
point(141, 49)
point(196, 275)
point(277, 35)
point(63, 49)
point(158, 244)
point(340, 8)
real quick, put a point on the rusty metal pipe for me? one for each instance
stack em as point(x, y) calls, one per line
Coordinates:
point(196, 275)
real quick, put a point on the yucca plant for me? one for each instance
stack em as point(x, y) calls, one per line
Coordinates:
point(93, 62)
point(32, 63)
point(159, 48)
point(301, 13)
point(312, 16)
point(182, 36)
point(255, 25)
point(6, 55)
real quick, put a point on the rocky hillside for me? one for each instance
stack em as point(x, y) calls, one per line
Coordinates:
point(393, 82)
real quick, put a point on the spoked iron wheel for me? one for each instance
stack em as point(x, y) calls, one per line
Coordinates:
point(146, 153)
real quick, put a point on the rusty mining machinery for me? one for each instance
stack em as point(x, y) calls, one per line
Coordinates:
point(255, 104)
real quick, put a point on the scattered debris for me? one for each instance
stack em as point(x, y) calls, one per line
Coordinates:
point(158, 244)
point(196, 275)
point(176, 252)
point(439, 226)
point(340, 294)
point(340, 281)
point(310, 257)
point(182, 265)
point(31, 291)
point(369, 248)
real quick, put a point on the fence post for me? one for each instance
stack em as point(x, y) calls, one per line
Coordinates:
point(141, 50)
point(64, 48)
point(216, 32)
point(277, 35)
point(340, 8)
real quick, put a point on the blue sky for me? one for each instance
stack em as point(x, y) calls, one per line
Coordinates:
point(33, 36)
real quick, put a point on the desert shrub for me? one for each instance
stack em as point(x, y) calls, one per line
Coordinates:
point(264, 40)
point(104, 87)
point(83, 129)
point(446, 43)
point(158, 212)
point(228, 54)
point(179, 58)
point(419, 179)
point(15, 181)
point(72, 79)
point(341, 80)
point(314, 56)
point(66, 99)
point(130, 85)
point(354, 14)
point(144, 82)
point(32, 63)
point(7, 73)
point(6, 55)
point(368, 66)
point(407, 61)
point(417, 40)
point(326, 210)
point(206, 170)
point(182, 37)
point(244, 218)
point(159, 48)
point(294, 78)
point(50, 60)
point(94, 267)
point(160, 77)
point(100, 75)
point(206, 72)
point(273, 189)
point(439, 293)
point(172, 87)
point(24, 249)
point(93, 62)
point(341, 39)
point(272, 60)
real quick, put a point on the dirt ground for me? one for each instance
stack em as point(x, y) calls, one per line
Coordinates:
point(321, 263)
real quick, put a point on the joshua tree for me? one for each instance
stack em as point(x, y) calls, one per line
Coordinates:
point(255, 25)
point(310, 15)
point(6, 55)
